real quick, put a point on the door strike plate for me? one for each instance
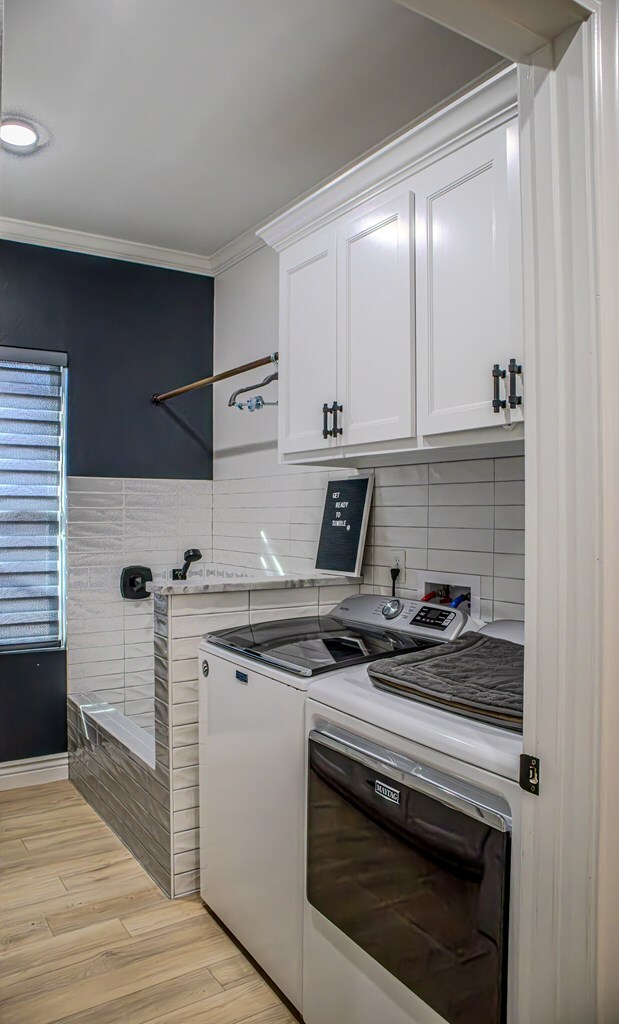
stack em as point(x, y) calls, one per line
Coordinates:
point(529, 774)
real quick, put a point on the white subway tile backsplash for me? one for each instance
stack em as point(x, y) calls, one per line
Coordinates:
point(509, 492)
point(510, 542)
point(400, 476)
point(504, 610)
point(414, 495)
point(86, 499)
point(460, 539)
point(416, 558)
point(474, 517)
point(101, 484)
point(509, 590)
point(461, 517)
point(399, 537)
point(477, 563)
point(107, 652)
point(509, 517)
point(302, 515)
point(473, 471)
point(394, 515)
point(82, 641)
point(509, 469)
point(511, 566)
point(462, 494)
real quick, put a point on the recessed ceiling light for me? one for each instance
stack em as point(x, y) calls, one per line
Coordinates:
point(19, 135)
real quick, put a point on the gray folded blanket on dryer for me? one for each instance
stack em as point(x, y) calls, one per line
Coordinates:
point(477, 676)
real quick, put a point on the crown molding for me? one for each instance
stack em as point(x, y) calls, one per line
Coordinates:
point(101, 245)
point(488, 105)
point(235, 251)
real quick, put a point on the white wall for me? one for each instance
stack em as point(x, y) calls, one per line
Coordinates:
point(464, 518)
point(246, 327)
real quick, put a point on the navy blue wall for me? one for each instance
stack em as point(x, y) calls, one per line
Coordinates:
point(129, 331)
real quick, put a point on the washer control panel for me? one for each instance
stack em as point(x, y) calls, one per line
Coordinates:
point(421, 619)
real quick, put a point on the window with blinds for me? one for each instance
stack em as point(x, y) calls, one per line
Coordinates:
point(32, 500)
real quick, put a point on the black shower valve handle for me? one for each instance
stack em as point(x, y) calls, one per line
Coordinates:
point(191, 555)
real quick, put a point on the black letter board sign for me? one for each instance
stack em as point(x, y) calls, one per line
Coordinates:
point(344, 524)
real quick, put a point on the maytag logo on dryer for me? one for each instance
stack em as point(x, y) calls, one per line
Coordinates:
point(387, 792)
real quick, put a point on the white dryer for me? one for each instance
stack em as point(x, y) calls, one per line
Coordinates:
point(413, 817)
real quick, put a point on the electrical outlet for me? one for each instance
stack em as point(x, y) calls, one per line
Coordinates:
point(398, 561)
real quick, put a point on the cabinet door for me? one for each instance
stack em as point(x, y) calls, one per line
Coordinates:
point(468, 271)
point(307, 341)
point(375, 336)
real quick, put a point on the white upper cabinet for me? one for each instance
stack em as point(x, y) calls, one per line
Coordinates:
point(307, 342)
point(468, 296)
point(375, 350)
point(400, 290)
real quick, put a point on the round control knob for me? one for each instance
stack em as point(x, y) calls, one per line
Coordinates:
point(392, 608)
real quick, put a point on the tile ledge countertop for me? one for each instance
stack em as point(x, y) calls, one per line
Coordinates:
point(222, 580)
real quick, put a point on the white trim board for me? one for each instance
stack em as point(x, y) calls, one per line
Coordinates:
point(516, 28)
point(100, 245)
point(33, 771)
point(563, 496)
point(52, 237)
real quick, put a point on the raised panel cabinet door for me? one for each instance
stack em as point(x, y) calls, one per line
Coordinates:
point(375, 370)
point(469, 281)
point(307, 342)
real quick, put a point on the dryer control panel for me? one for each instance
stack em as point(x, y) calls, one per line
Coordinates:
point(421, 619)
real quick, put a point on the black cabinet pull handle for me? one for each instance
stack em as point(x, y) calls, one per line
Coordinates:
point(498, 374)
point(513, 399)
point(335, 408)
point(325, 427)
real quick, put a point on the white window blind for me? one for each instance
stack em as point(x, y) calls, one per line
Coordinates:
point(32, 500)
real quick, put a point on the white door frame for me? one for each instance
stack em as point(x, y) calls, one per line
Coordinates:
point(569, 148)
point(569, 903)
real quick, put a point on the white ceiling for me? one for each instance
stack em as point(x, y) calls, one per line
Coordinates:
point(183, 124)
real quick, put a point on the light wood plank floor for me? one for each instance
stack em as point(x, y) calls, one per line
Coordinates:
point(87, 938)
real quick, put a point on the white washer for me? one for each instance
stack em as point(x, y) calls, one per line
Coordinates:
point(254, 684)
point(251, 808)
point(403, 747)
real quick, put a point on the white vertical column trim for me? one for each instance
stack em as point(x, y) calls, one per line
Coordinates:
point(557, 929)
point(606, 31)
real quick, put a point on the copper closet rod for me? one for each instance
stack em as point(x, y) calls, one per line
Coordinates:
point(158, 399)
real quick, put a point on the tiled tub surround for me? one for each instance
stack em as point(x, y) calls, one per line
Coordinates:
point(160, 804)
point(130, 795)
point(112, 523)
point(464, 518)
point(180, 622)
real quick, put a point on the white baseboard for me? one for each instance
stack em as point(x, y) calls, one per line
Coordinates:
point(33, 771)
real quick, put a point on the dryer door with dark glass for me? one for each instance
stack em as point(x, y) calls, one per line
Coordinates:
point(413, 866)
